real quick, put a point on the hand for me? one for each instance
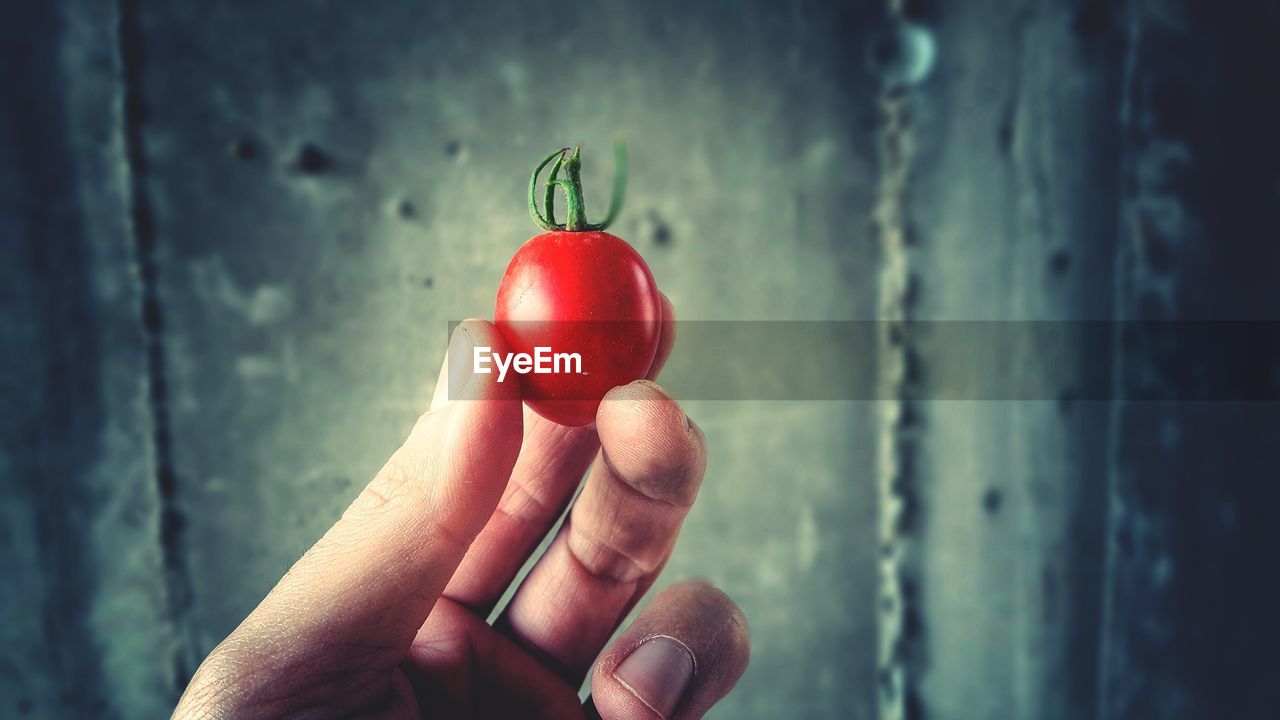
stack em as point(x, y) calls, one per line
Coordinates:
point(385, 617)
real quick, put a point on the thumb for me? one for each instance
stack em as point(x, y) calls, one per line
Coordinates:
point(371, 581)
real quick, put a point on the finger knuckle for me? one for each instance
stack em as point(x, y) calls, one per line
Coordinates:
point(392, 487)
point(610, 562)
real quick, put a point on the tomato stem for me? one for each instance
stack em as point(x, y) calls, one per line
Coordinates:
point(549, 196)
point(571, 184)
point(533, 190)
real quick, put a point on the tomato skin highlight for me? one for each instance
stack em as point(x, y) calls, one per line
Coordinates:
point(585, 292)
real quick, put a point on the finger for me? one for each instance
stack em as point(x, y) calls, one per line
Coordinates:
point(619, 533)
point(552, 462)
point(679, 657)
point(369, 583)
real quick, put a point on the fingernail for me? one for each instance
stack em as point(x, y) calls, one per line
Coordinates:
point(457, 370)
point(688, 424)
point(462, 363)
point(657, 673)
point(652, 385)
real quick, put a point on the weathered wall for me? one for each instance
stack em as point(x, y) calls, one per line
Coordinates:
point(1008, 214)
point(85, 630)
point(233, 236)
point(1190, 629)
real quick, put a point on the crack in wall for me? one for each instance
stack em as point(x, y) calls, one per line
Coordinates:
point(898, 431)
point(142, 227)
point(899, 419)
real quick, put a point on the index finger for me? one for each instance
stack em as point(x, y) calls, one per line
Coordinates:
point(370, 582)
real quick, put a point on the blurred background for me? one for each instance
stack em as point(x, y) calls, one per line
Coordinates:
point(232, 236)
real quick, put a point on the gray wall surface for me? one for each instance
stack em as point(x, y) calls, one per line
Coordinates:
point(232, 236)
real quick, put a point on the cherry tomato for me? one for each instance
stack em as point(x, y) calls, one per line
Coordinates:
point(588, 293)
point(578, 290)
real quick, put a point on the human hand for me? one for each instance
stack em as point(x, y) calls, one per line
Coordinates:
point(385, 617)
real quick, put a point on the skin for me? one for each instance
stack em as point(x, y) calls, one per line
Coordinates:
point(385, 617)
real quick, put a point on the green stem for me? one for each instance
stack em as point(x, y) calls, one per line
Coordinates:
point(571, 184)
point(533, 190)
point(549, 196)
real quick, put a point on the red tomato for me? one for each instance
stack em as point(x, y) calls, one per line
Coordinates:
point(579, 292)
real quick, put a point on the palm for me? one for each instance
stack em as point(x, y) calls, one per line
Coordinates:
point(460, 667)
